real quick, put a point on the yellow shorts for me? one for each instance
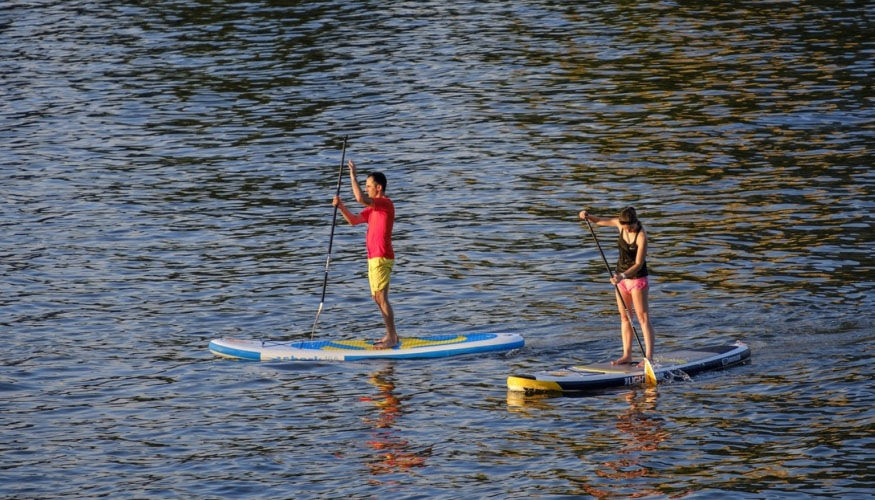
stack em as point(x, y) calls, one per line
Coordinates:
point(379, 273)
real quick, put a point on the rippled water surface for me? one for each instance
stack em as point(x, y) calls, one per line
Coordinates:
point(166, 172)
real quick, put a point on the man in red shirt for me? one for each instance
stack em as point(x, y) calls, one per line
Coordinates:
point(379, 214)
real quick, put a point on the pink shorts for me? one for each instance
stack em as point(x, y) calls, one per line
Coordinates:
point(629, 284)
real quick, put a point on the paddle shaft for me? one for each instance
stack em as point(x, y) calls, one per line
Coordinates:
point(617, 287)
point(330, 239)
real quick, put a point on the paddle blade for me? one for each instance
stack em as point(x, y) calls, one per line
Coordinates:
point(649, 374)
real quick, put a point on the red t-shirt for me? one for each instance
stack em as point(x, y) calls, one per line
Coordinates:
point(380, 217)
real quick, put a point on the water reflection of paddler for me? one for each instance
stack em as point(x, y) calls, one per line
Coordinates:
point(645, 434)
point(640, 421)
point(393, 453)
point(388, 403)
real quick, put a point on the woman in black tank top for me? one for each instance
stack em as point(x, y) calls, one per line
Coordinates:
point(630, 277)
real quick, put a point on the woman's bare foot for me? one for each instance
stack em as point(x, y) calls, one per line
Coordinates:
point(625, 360)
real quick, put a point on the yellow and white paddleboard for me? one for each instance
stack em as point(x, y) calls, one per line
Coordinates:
point(350, 350)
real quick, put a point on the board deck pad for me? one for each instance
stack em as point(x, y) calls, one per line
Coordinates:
point(588, 377)
point(607, 367)
point(356, 349)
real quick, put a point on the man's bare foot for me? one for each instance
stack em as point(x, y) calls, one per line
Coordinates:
point(386, 343)
point(625, 360)
point(643, 363)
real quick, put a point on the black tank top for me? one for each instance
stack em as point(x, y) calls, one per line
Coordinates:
point(628, 252)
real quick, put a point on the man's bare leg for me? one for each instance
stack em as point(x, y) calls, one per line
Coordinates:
point(390, 340)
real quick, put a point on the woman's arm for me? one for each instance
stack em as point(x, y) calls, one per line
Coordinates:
point(600, 221)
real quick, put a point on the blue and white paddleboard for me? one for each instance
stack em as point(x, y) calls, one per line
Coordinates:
point(351, 350)
point(596, 376)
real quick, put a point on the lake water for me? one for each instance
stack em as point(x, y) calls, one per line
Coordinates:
point(166, 173)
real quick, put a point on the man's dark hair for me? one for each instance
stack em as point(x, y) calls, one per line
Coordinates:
point(380, 179)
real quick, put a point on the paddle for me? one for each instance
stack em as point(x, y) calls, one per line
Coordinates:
point(330, 240)
point(649, 374)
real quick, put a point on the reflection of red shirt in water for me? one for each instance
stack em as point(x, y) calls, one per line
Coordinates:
point(380, 217)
